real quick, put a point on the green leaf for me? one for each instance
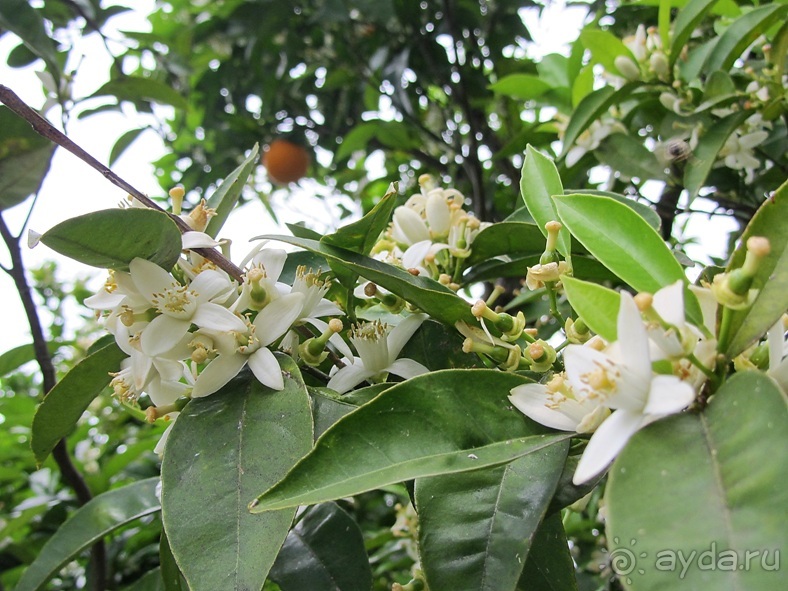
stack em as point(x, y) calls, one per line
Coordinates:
point(741, 33)
point(538, 184)
point(14, 358)
point(222, 450)
point(112, 238)
point(137, 88)
point(438, 423)
point(324, 551)
point(122, 143)
point(58, 413)
point(19, 17)
point(520, 86)
point(687, 21)
point(583, 84)
point(150, 581)
point(97, 518)
point(595, 304)
point(605, 47)
point(706, 486)
point(549, 566)
point(327, 410)
point(25, 157)
point(663, 21)
point(430, 296)
point(630, 157)
point(356, 139)
point(620, 239)
point(224, 199)
point(360, 236)
point(507, 238)
point(475, 528)
point(437, 346)
point(705, 154)
point(770, 221)
point(643, 210)
point(171, 577)
point(592, 107)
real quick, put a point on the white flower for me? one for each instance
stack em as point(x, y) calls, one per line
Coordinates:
point(180, 306)
point(621, 379)
point(378, 350)
point(250, 345)
point(555, 405)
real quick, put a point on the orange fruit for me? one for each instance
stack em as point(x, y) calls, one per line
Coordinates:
point(285, 161)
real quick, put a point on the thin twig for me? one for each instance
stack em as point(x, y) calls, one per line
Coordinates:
point(49, 131)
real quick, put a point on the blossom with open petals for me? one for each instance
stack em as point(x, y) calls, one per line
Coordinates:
point(378, 350)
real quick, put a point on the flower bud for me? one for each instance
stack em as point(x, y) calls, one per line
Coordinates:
point(627, 68)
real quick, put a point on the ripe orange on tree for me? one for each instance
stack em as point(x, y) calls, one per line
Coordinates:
point(285, 161)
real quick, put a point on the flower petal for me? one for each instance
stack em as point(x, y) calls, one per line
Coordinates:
point(668, 395)
point(633, 339)
point(669, 303)
point(348, 377)
point(609, 439)
point(277, 317)
point(273, 261)
point(162, 334)
point(414, 255)
point(266, 369)
point(193, 239)
point(400, 334)
point(149, 278)
point(217, 373)
point(407, 368)
point(209, 284)
point(532, 399)
point(215, 317)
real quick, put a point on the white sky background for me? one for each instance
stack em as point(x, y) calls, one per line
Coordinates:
point(73, 188)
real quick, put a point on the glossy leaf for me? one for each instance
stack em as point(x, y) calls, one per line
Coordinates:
point(137, 88)
point(430, 296)
point(15, 358)
point(58, 413)
point(520, 86)
point(741, 33)
point(112, 238)
point(25, 157)
point(323, 552)
point(222, 450)
point(712, 482)
point(687, 20)
point(438, 423)
point(643, 210)
point(475, 528)
point(506, 238)
point(437, 346)
point(226, 196)
point(705, 154)
point(770, 221)
point(595, 304)
point(327, 410)
point(97, 518)
point(150, 581)
point(630, 157)
point(620, 239)
point(549, 566)
point(361, 236)
point(170, 574)
point(538, 184)
point(122, 143)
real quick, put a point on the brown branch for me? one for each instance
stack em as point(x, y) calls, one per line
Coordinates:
point(49, 131)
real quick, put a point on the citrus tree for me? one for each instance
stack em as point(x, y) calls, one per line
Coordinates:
point(359, 411)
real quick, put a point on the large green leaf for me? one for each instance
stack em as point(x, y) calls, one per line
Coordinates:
point(14, 358)
point(770, 221)
point(705, 154)
point(137, 88)
point(520, 86)
point(475, 528)
point(438, 423)
point(595, 304)
point(430, 296)
point(437, 346)
point(538, 184)
point(620, 239)
point(362, 235)
point(97, 518)
point(605, 47)
point(686, 21)
point(691, 496)
point(643, 210)
point(224, 199)
point(323, 552)
point(112, 238)
point(741, 33)
point(629, 156)
point(58, 413)
point(223, 450)
point(549, 566)
point(507, 238)
point(25, 157)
